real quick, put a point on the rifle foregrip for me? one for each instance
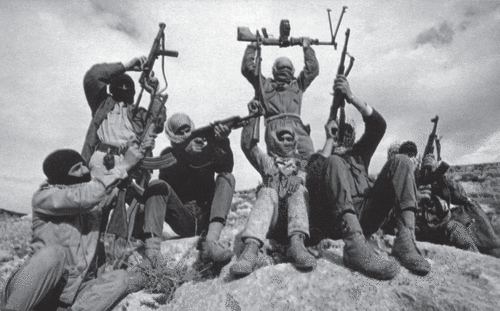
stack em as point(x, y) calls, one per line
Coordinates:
point(169, 53)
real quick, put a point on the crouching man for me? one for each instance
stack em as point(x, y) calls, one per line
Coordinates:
point(340, 190)
point(70, 211)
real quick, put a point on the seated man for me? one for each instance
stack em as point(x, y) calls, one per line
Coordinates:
point(191, 185)
point(283, 177)
point(69, 212)
point(340, 189)
point(436, 221)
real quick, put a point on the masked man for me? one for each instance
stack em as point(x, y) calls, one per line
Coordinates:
point(283, 94)
point(282, 202)
point(340, 190)
point(200, 181)
point(69, 213)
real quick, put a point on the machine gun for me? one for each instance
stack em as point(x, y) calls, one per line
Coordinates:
point(338, 103)
point(244, 34)
point(426, 176)
point(284, 40)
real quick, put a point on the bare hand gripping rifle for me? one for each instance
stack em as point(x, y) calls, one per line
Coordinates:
point(119, 223)
point(338, 103)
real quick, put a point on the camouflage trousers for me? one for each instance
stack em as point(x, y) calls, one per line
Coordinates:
point(278, 219)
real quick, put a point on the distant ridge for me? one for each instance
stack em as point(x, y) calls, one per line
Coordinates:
point(4, 212)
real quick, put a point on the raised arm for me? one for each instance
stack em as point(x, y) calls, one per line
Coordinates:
point(311, 66)
point(99, 76)
point(248, 65)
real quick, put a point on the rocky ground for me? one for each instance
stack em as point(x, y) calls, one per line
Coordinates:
point(459, 280)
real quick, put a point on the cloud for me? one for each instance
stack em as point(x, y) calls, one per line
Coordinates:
point(116, 17)
point(436, 36)
point(470, 15)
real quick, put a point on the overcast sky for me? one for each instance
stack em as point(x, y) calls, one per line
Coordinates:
point(414, 60)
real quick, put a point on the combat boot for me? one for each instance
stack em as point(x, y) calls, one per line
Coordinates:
point(359, 255)
point(405, 248)
point(298, 253)
point(153, 250)
point(460, 238)
point(248, 259)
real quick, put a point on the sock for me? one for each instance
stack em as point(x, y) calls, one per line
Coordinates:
point(214, 230)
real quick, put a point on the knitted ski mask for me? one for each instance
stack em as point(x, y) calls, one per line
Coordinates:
point(282, 142)
point(176, 121)
point(283, 70)
point(123, 89)
point(56, 167)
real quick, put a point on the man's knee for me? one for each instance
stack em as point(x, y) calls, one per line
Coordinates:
point(49, 257)
point(158, 187)
point(227, 177)
point(335, 164)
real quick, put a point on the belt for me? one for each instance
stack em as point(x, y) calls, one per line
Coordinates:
point(114, 150)
point(291, 116)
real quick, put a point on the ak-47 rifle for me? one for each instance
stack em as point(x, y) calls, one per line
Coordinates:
point(338, 97)
point(426, 176)
point(206, 132)
point(119, 223)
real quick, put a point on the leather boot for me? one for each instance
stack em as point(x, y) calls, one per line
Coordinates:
point(298, 253)
point(460, 238)
point(405, 247)
point(214, 251)
point(248, 259)
point(359, 255)
point(153, 250)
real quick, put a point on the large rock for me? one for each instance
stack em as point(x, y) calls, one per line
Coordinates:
point(459, 281)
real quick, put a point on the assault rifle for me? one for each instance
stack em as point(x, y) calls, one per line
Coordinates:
point(338, 97)
point(119, 225)
point(426, 176)
point(158, 49)
point(168, 159)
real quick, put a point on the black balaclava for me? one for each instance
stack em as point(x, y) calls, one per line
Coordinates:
point(122, 88)
point(56, 167)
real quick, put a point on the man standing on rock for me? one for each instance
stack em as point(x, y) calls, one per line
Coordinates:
point(70, 211)
point(340, 190)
